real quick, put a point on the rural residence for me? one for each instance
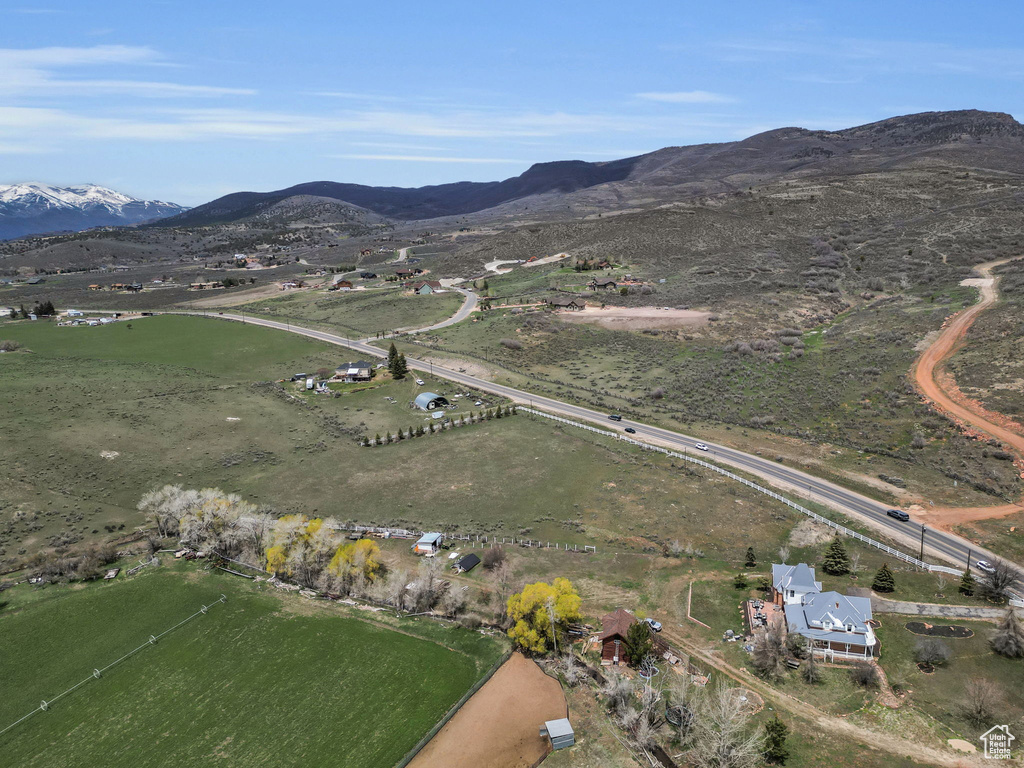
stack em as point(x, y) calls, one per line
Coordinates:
point(614, 627)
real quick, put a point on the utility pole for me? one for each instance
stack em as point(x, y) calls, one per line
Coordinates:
point(923, 529)
point(968, 560)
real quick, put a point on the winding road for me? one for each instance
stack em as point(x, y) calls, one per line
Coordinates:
point(938, 544)
point(928, 370)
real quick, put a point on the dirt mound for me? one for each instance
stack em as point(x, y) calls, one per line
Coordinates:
point(808, 533)
point(942, 630)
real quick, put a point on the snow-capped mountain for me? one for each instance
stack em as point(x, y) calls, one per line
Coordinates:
point(34, 208)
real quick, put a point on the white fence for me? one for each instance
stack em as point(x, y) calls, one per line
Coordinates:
point(760, 488)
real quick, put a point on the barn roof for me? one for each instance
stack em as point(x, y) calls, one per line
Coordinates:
point(423, 399)
point(468, 563)
point(616, 623)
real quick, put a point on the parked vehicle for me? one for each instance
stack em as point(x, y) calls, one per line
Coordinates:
point(899, 514)
point(985, 565)
point(654, 625)
point(701, 447)
point(420, 382)
point(615, 417)
point(630, 430)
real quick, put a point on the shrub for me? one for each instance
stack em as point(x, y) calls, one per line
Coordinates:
point(864, 674)
point(493, 557)
point(511, 343)
point(657, 393)
point(9, 345)
point(932, 651)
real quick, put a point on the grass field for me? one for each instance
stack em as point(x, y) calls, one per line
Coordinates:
point(361, 312)
point(260, 680)
point(178, 400)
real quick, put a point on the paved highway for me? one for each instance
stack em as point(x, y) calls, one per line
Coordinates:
point(939, 544)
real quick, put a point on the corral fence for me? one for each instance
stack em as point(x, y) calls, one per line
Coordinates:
point(454, 710)
point(754, 486)
point(98, 673)
point(471, 540)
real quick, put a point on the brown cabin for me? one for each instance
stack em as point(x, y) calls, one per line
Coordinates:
point(614, 627)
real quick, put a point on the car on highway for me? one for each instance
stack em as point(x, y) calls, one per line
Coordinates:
point(701, 447)
point(985, 565)
point(614, 417)
point(654, 625)
point(899, 514)
point(630, 430)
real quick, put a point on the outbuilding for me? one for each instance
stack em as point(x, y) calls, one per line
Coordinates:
point(467, 563)
point(428, 543)
point(429, 401)
point(559, 733)
point(614, 628)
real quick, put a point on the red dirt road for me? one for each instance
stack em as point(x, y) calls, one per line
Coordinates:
point(499, 726)
point(938, 386)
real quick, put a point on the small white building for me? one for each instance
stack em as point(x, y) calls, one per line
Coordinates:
point(559, 732)
point(429, 543)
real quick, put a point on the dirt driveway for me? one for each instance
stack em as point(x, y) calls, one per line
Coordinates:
point(499, 726)
point(637, 318)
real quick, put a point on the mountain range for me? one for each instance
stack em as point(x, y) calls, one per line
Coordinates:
point(34, 208)
point(966, 138)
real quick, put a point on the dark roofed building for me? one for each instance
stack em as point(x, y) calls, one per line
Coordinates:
point(567, 302)
point(614, 627)
point(467, 563)
point(605, 283)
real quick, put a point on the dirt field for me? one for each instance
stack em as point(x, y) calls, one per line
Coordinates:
point(499, 726)
point(637, 318)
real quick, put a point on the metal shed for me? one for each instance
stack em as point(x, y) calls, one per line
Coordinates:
point(428, 543)
point(428, 401)
point(559, 732)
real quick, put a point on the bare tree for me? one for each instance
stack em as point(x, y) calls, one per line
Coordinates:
point(865, 674)
point(723, 737)
point(932, 651)
point(618, 691)
point(783, 554)
point(504, 586)
point(1008, 639)
point(811, 670)
point(571, 669)
point(855, 562)
point(453, 602)
point(980, 702)
point(995, 584)
point(769, 656)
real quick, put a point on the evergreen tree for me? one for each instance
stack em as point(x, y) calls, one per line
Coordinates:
point(376, 440)
point(1008, 639)
point(967, 584)
point(740, 582)
point(399, 368)
point(836, 561)
point(638, 643)
point(401, 434)
point(392, 354)
point(884, 581)
point(775, 732)
point(751, 560)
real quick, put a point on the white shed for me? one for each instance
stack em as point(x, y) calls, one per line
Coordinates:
point(559, 732)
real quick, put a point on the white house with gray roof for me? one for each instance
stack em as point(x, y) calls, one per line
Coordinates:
point(792, 582)
point(836, 626)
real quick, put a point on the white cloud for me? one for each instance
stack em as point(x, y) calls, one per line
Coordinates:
point(431, 159)
point(31, 71)
point(685, 97)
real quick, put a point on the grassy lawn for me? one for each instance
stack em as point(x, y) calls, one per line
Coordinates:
point(938, 694)
point(260, 680)
point(362, 312)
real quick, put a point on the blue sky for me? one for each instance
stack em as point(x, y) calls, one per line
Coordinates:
point(186, 101)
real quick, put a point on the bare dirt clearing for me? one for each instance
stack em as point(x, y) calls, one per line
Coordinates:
point(498, 727)
point(637, 318)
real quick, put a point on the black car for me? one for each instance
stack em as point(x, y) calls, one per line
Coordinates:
point(630, 430)
point(899, 514)
point(615, 417)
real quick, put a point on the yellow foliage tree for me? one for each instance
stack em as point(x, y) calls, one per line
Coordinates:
point(361, 556)
point(533, 611)
point(290, 542)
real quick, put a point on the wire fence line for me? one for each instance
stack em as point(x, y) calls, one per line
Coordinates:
point(760, 488)
point(98, 673)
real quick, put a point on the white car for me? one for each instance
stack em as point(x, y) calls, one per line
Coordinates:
point(420, 382)
point(654, 625)
point(478, 403)
point(985, 565)
point(701, 447)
